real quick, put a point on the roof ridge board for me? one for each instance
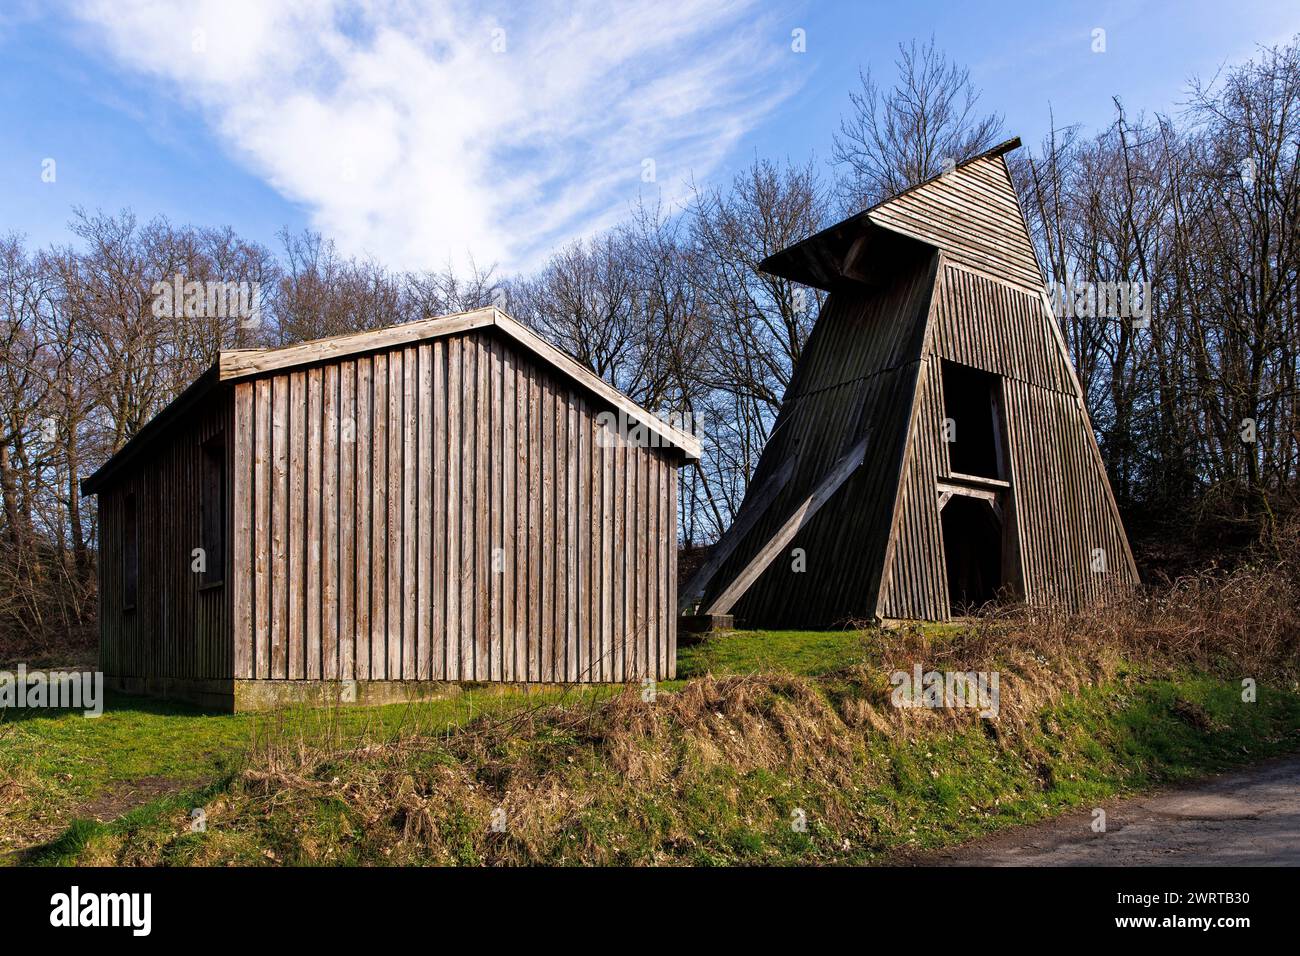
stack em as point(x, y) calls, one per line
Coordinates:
point(995, 153)
point(237, 364)
point(347, 343)
point(865, 215)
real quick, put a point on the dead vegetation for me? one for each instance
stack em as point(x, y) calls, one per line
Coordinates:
point(1122, 697)
point(631, 780)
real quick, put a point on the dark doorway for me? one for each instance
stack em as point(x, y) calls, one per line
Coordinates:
point(972, 548)
point(971, 403)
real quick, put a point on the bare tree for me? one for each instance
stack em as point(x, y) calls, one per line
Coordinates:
point(1201, 403)
point(898, 137)
point(447, 291)
point(758, 323)
point(582, 300)
point(322, 293)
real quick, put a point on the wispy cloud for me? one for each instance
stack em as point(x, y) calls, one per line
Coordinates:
point(424, 133)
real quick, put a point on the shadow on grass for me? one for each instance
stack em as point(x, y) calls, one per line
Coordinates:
point(114, 703)
point(65, 849)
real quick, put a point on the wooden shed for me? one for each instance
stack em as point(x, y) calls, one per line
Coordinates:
point(371, 516)
point(933, 451)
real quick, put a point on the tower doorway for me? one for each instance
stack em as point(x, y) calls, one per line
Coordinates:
point(972, 550)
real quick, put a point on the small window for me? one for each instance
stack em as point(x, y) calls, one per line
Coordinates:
point(214, 510)
point(972, 403)
point(130, 554)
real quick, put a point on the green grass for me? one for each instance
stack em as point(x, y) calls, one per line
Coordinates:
point(903, 795)
point(753, 652)
point(930, 787)
point(136, 738)
point(785, 652)
point(68, 764)
point(1110, 741)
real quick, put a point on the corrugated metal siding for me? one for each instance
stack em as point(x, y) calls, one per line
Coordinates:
point(456, 517)
point(178, 629)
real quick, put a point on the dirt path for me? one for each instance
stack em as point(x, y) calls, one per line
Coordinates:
point(114, 801)
point(1244, 818)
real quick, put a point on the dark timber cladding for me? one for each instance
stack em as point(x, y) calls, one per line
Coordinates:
point(438, 501)
point(936, 345)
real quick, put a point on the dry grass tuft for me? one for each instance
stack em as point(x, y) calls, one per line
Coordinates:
point(578, 782)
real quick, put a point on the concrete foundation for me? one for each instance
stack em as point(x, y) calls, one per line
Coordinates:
point(692, 628)
point(239, 696)
point(706, 622)
point(208, 694)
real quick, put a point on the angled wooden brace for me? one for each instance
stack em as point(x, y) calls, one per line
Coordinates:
point(699, 582)
point(843, 469)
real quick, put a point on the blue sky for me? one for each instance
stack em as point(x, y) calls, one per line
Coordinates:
point(427, 133)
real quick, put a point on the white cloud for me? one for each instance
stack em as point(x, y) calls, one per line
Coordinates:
point(408, 138)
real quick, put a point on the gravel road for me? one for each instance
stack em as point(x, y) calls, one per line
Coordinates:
point(1243, 818)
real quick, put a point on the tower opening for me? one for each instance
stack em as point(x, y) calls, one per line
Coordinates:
point(972, 549)
point(971, 403)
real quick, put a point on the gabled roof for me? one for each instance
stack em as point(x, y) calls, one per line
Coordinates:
point(866, 243)
point(235, 365)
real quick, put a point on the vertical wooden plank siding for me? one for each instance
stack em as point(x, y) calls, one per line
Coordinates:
point(295, 566)
point(464, 456)
point(396, 466)
point(363, 549)
point(441, 533)
point(872, 368)
point(240, 545)
point(378, 518)
point(1060, 508)
point(510, 631)
point(1060, 504)
point(444, 510)
point(452, 509)
point(329, 529)
point(279, 530)
point(180, 628)
point(260, 445)
point(347, 497)
point(313, 539)
point(424, 516)
point(856, 380)
point(410, 515)
point(482, 505)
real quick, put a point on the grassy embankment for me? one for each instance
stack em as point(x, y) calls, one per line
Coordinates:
point(762, 725)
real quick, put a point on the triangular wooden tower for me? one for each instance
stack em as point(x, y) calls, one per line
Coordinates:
point(933, 449)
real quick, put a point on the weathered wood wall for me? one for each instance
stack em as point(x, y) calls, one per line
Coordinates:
point(973, 215)
point(964, 286)
point(456, 516)
point(855, 379)
point(1060, 499)
point(179, 629)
